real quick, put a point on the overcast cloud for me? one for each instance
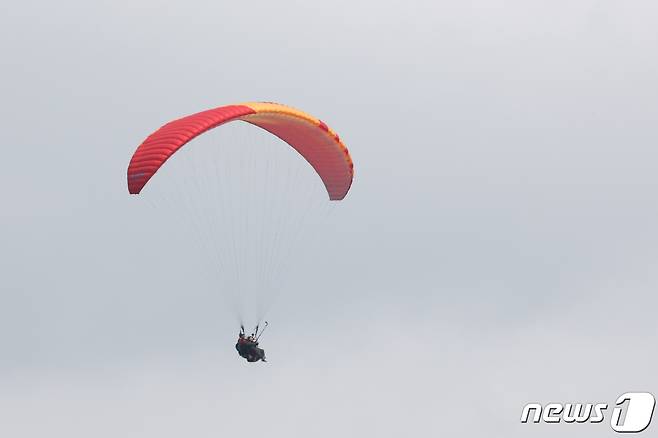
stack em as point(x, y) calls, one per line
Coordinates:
point(499, 245)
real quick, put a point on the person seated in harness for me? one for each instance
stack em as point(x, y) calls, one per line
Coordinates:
point(247, 346)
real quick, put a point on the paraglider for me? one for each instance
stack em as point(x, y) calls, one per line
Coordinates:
point(247, 346)
point(254, 269)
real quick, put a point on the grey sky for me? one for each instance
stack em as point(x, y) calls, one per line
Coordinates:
point(499, 245)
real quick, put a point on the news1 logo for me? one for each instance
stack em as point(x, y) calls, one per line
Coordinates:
point(632, 413)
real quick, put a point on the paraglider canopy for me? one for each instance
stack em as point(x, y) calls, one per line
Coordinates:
point(311, 137)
